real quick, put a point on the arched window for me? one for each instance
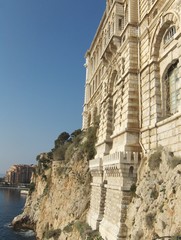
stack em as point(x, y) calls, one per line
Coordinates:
point(172, 89)
point(113, 81)
point(169, 34)
point(131, 171)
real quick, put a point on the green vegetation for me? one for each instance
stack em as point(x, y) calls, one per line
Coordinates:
point(64, 145)
point(86, 232)
point(154, 194)
point(89, 145)
point(155, 159)
point(62, 139)
point(149, 219)
point(80, 142)
point(31, 187)
point(133, 190)
point(75, 146)
point(53, 233)
point(68, 228)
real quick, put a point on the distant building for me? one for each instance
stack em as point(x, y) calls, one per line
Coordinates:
point(19, 174)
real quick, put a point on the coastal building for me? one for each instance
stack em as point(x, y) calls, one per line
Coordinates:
point(19, 174)
point(133, 86)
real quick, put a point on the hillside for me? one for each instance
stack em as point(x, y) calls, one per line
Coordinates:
point(59, 195)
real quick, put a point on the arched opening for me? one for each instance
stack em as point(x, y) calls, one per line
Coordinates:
point(169, 34)
point(113, 81)
point(171, 90)
point(131, 171)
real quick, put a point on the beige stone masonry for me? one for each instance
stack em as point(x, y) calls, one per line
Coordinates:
point(133, 85)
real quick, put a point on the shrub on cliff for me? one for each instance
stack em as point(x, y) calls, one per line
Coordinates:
point(65, 145)
point(89, 144)
point(83, 144)
point(31, 187)
point(150, 219)
point(44, 163)
point(53, 233)
point(59, 153)
point(86, 232)
point(62, 139)
point(155, 159)
point(75, 143)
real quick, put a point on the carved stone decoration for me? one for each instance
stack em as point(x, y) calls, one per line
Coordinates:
point(111, 49)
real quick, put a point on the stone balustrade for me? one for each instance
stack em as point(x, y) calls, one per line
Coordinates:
point(95, 164)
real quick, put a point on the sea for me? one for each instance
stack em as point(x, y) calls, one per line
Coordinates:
point(11, 205)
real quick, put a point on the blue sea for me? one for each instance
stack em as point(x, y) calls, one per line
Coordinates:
point(11, 205)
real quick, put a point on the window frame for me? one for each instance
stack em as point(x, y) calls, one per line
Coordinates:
point(171, 90)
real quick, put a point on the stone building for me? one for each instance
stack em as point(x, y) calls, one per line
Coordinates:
point(19, 174)
point(133, 86)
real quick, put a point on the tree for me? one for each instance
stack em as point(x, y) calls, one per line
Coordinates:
point(62, 139)
point(76, 133)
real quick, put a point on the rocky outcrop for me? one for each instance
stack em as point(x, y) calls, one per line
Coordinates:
point(59, 194)
point(57, 205)
point(58, 200)
point(155, 210)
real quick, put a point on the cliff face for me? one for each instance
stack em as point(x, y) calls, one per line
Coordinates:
point(155, 209)
point(58, 200)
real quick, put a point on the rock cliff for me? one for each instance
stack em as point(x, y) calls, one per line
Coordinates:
point(59, 197)
point(59, 194)
point(57, 205)
point(155, 210)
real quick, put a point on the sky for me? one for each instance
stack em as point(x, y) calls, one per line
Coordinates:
point(42, 74)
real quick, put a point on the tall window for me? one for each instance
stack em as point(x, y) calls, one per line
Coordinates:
point(172, 90)
point(115, 108)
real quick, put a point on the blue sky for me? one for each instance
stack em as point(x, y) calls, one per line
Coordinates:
point(42, 48)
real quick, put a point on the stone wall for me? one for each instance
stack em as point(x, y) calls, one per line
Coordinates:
point(113, 176)
point(133, 81)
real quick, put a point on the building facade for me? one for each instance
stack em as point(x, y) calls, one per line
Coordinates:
point(133, 87)
point(19, 174)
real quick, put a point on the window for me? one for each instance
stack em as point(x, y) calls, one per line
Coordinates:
point(169, 34)
point(172, 90)
point(120, 24)
point(131, 171)
point(155, 12)
point(115, 108)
